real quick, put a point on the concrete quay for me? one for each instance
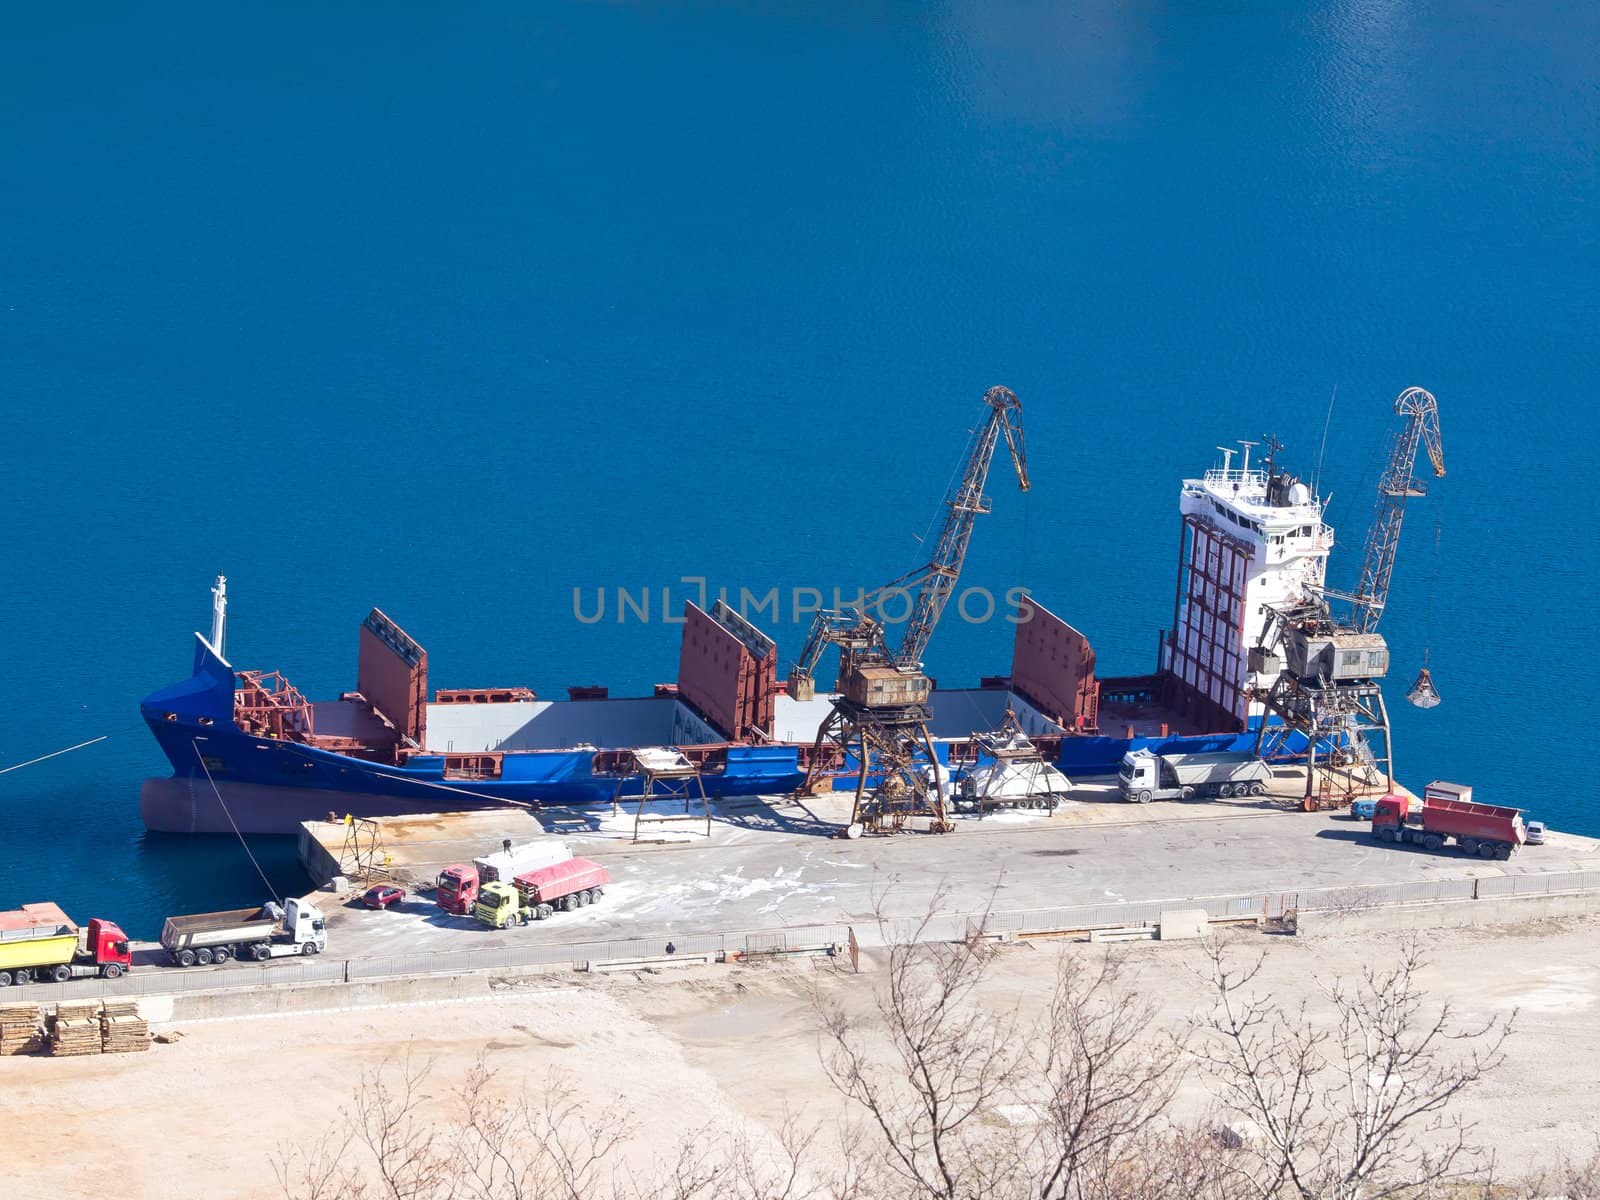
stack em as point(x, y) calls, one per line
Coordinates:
point(775, 864)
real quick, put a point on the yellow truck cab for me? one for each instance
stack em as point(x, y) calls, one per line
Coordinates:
point(499, 904)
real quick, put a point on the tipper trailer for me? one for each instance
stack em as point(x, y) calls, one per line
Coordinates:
point(39, 942)
point(536, 895)
point(254, 933)
point(1486, 830)
point(1145, 776)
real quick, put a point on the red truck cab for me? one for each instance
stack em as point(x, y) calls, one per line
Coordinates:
point(107, 946)
point(457, 889)
point(1390, 811)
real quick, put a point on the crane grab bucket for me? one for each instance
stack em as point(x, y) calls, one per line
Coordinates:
point(1423, 694)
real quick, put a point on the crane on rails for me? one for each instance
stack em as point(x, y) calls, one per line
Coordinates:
point(1329, 668)
point(880, 714)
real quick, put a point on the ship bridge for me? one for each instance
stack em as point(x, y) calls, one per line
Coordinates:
point(1279, 508)
point(1253, 539)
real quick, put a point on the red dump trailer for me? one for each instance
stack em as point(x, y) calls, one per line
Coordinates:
point(1487, 830)
point(566, 885)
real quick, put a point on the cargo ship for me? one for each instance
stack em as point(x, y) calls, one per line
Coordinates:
point(250, 753)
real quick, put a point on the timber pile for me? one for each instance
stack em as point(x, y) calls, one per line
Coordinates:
point(75, 1028)
point(122, 1029)
point(19, 1029)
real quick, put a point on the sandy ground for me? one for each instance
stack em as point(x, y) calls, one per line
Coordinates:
point(715, 1045)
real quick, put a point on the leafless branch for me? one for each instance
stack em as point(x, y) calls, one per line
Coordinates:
point(1362, 1109)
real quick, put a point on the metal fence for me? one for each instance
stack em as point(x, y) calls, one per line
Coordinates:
point(943, 927)
point(1553, 884)
point(293, 971)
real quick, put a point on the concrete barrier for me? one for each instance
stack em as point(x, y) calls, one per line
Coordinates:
point(1455, 914)
point(1184, 924)
point(305, 999)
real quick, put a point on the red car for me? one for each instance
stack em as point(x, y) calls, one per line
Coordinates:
point(383, 895)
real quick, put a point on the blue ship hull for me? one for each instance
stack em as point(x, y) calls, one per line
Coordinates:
point(225, 779)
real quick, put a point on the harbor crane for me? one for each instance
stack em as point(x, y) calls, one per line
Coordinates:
point(1397, 484)
point(881, 711)
point(1329, 668)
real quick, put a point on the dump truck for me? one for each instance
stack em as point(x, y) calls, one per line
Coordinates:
point(456, 889)
point(1145, 776)
point(1486, 830)
point(253, 933)
point(536, 895)
point(40, 943)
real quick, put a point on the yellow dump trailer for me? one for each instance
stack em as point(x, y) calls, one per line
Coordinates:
point(34, 936)
point(38, 948)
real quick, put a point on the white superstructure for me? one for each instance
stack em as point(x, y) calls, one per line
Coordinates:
point(1251, 538)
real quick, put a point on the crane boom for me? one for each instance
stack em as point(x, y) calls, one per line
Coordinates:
point(1421, 426)
point(965, 501)
point(861, 636)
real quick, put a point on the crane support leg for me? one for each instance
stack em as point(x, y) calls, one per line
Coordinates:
point(894, 761)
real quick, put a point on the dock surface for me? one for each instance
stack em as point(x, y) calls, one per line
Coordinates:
point(776, 863)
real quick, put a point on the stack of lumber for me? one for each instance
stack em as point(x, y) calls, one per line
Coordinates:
point(122, 1029)
point(75, 1029)
point(19, 1029)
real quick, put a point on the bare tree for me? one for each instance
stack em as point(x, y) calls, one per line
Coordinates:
point(1103, 1075)
point(543, 1144)
point(404, 1147)
point(1356, 1105)
point(1065, 1098)
point(797, 1163)
point(1166, 1163)
point(946, 1064)
point(964, 1102)
point(320, 1171)
point(482, 1144)
point(385, 1148)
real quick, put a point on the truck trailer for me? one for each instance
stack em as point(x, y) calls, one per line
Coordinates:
point(40, 943)
point(254, 933)
point(1486, 830)
point(536, 895)
point(1146, 776)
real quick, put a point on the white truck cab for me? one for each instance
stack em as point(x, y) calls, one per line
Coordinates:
point(304, 922)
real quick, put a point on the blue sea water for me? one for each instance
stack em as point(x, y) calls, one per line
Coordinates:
point(454, 309)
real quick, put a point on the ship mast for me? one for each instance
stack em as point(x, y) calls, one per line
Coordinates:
point(219, 615)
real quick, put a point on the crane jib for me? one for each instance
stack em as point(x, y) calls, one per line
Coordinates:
point(858, 635)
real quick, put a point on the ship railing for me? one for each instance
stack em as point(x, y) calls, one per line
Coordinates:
point(1245, 479)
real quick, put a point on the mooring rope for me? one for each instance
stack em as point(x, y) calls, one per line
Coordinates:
point(52, 754)
point(218, 793)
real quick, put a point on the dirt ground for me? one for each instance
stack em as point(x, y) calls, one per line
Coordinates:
point(723, 1046)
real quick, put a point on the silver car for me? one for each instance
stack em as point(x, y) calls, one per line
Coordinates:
point(1535, 833)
